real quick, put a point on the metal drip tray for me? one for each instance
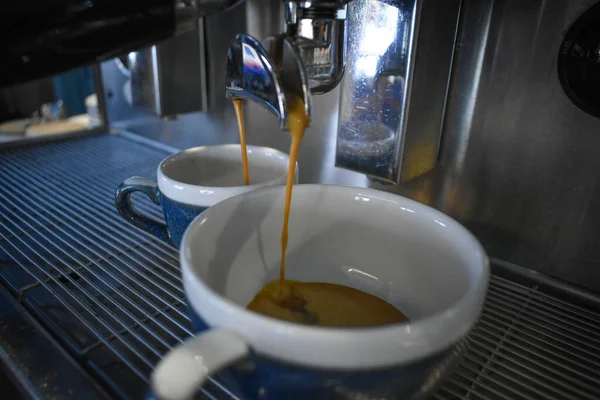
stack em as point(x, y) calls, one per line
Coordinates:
point(111, 295)
point(529, 345)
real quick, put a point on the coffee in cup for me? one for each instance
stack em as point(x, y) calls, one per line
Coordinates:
point(312, 303)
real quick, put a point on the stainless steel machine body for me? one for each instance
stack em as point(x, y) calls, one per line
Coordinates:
point(519, 161)
point(169, 78)
point(393, 94)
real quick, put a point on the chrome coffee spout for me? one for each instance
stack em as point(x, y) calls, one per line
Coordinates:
point(269, 75)
point(308, 58)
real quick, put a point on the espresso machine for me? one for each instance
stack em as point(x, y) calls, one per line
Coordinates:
point(486, 110)
point(370, 48)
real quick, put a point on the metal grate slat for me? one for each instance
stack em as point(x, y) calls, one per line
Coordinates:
point(112, 294)
point(119, 286)
point(535, 358)
point(88, 228)
point(96, 264)
point(67, 259)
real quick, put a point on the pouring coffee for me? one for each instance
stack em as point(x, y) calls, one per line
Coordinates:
point(312, 303)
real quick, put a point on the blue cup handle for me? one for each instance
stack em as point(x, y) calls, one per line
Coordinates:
point(131, 214)
point(184, 369)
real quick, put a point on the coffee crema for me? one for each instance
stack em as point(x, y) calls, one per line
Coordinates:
point(323, 304)
point(311, 303)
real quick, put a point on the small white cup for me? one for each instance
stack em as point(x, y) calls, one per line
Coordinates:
point(192, 180)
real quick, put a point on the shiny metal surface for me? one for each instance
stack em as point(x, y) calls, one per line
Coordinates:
point(264, 18)
point(528, 345)
point(269, 76)
point(219, 30)
point(144, 79)
point(251, 74)
point(520, 160)
point(169, 78)
point(290, 69)
point(394, 91)
point(309, 57)
point(318, 29)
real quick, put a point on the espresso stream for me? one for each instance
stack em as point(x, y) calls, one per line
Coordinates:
point(311, 303)
point(238, 104)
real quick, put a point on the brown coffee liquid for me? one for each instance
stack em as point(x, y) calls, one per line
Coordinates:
point(238, 104)
point(323, 304)
point(314, 303)
point(297, 123)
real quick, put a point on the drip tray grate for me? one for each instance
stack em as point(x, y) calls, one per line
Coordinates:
point(529, 345)
point(112, 295)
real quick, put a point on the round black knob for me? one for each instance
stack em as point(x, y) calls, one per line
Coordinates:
point(579, 61)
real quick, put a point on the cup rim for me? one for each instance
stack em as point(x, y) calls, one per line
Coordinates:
point(342, 348)
point(198, 194)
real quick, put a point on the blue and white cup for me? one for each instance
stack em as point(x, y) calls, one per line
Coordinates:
point(414, 257)
point(193, 180)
